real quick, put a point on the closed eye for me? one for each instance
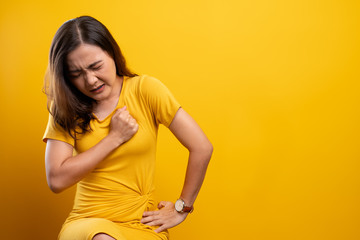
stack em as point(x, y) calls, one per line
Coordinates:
point(75, 74)
point(96, 67)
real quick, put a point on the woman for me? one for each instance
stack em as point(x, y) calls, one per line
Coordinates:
point(109, 117)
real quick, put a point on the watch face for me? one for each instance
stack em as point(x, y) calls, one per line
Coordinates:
point(179, 205)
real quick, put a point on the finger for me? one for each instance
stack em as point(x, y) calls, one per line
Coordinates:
point(123, 116)
point(150, 221)
point(150, 213)
point(134, 126)
point(160, 229)
point(145, 214)
point(131, 119)
point(161, 204)
point(122, 109)
point(146, 220)
point(153, 223)
point(120, 112)
point(124, 113)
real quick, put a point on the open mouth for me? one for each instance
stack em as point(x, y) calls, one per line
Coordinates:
point(98, 88)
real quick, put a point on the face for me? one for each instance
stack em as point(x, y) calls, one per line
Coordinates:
point(93, 72)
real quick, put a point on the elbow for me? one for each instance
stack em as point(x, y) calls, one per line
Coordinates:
point(205, 150)
point(55, 185)
point(209, 150)
point(55, 189)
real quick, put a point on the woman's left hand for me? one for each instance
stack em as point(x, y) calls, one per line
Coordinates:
point(166, 217)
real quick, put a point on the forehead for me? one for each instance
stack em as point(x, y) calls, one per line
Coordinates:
point(84, 55)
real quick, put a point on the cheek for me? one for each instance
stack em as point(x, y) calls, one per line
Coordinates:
point(109, 69)
point(106, 74)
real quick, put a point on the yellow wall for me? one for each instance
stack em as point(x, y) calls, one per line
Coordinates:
point(274, 84)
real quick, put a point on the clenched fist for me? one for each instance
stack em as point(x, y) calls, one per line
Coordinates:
point(123, 126)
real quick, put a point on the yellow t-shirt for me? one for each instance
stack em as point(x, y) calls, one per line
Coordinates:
point(121, 187)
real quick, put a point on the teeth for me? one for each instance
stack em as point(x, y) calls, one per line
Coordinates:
point(97, 88)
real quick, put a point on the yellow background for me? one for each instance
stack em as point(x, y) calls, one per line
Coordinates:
point(274, 84)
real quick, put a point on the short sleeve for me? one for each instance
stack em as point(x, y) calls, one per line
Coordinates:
point(57, 133)
point(161, 101)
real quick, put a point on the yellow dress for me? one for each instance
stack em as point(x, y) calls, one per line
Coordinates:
point(112, 198)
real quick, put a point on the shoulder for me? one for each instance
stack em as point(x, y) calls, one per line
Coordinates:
point(144, 84)
point(54, 131)
point(141, 80)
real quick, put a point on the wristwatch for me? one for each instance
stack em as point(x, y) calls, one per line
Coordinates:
point(181, 207)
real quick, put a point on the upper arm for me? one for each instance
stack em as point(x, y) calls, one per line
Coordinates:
point(55, 154)
point(189, 133)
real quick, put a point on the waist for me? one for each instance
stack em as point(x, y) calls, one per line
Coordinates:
point(120, 204)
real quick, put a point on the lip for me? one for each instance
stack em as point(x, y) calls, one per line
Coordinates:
point(98, 89)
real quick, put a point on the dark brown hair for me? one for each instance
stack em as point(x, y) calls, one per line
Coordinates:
point(70, 108)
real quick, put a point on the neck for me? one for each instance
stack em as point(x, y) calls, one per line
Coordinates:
point(106, 106)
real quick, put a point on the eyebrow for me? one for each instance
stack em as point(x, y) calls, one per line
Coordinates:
point(90, 66)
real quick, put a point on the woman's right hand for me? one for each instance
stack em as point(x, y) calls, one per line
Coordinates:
point(123, 126)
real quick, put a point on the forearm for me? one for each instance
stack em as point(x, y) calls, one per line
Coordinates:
point(167, 217)
point(62, 175)
point(195, 174)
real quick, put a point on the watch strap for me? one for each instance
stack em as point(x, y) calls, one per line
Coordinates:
point(188, 209)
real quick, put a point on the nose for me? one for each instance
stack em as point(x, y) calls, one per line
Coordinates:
point(90, 78)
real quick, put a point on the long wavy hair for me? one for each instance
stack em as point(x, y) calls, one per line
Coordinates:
point(71, 109)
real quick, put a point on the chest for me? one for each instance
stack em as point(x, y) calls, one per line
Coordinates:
point(142, 143)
